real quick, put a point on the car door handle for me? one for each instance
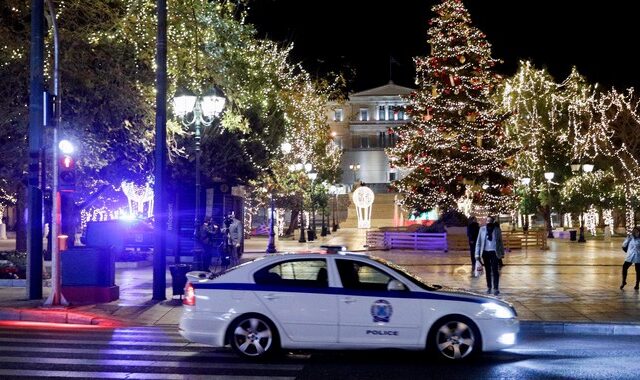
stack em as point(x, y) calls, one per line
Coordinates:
point(349, 300)
point(271, 296)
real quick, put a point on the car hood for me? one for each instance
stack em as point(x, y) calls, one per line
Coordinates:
point(476, 297)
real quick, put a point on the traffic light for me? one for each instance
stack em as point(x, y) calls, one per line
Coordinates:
point(66, 173)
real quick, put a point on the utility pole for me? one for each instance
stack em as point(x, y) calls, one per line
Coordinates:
point(55, 298)
point(34, 193)
point(160, 198)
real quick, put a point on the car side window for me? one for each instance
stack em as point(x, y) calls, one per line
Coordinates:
point(299, 273)
point(361, 276)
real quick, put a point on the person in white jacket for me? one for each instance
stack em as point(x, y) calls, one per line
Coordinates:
point(632, 246)
point(489, 251)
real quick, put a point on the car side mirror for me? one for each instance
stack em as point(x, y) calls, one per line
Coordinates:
point(395, 285)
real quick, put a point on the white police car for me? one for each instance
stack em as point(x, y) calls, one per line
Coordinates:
point(339, 301)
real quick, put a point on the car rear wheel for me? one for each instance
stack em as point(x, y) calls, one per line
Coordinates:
point(455, 338)
point(253, 336)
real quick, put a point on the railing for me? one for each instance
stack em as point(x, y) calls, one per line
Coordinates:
point(407, 240)
point(452, 242)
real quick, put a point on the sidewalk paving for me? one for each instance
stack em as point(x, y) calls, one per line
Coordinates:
point(570, 288)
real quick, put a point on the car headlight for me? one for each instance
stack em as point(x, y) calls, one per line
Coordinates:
point(497, 311)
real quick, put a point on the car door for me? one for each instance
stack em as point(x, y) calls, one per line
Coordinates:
point(371, 315)
point(297, 293)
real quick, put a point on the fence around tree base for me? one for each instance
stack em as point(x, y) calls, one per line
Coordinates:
point(449, 242)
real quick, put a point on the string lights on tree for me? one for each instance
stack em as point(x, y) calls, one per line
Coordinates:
point(454, 141)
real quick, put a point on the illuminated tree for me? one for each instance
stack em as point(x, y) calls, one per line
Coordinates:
point(454, 147)
point(538, 130)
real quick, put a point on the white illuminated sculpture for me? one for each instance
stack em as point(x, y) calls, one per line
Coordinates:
point(363, 199)
point(138, 195)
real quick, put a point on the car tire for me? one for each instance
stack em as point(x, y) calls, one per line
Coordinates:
point(253, 336)
point(454, 337)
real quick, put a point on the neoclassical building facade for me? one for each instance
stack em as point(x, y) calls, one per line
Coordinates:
point(360, 126)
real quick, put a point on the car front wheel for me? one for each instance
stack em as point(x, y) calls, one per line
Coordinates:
point(253, 336)
point(455, 338)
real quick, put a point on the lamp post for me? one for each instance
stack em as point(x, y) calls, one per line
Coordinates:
point(312, 174)
point(354, 168)
point(334, 191)
point(549, 176)
point(271, 247)
point(203, 110)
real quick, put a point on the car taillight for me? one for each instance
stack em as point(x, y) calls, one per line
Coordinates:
point(189, 295)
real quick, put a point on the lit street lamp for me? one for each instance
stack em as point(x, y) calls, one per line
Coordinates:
point(203, 110)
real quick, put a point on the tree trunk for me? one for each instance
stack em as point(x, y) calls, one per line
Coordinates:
point(21, 227)
point(547, 218)
point(293, 224)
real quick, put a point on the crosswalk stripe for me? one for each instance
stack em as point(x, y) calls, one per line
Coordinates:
point(150, 363)
point(101, 342)
point(131, 375)
point(159, 354)
point(102, 351)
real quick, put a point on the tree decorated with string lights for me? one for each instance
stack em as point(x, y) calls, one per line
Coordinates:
point(453, 148)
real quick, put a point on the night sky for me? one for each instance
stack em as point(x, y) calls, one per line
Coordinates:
point(600, 38)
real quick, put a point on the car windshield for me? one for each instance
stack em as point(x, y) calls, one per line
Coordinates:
point(410, 276)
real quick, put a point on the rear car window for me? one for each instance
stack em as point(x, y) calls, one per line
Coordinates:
point(298, 273)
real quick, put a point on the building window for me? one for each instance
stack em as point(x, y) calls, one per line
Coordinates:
point(391, 140)
point(337, 114)
point(364, 114)
point(364, 141)
point(401, 115)
point(393, 176)
point(390, 113)
point(381, 113)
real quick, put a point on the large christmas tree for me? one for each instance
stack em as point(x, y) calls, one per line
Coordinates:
point(453, 149)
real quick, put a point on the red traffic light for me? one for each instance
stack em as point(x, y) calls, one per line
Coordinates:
point(66, 162)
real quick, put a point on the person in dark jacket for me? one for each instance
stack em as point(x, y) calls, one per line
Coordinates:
point(473, 228)
point(490, 250)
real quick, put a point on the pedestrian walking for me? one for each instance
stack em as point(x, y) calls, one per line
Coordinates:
point(489, 251)
point(234, 232)
point(473, 228)
point(631, 246)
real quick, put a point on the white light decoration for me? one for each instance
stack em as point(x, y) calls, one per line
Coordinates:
point(280, 214)
point(286, 147)
point(607, 217)
point(591, 220)
point(465, 203)
point(525, 181)
point(587, 168)
point(363, 199)
point(549, 175)
point(567, 220)
point(138, 195)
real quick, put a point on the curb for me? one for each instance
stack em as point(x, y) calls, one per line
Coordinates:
point(568, 328)
point(53, 316)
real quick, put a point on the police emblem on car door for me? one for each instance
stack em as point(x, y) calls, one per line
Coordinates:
point(372, 314)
